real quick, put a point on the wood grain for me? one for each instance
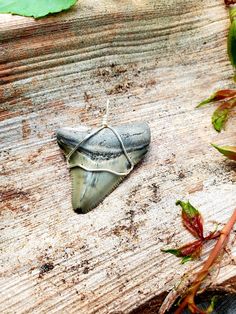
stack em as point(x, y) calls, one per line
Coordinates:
point(154, 61)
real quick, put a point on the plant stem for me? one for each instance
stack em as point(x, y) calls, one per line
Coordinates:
point(202, 274)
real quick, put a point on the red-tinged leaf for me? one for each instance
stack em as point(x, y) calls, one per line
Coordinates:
point(192, 249)
point(221, 114)
point(228, 151)
point(194, 225)
point(212, 235)
point(219, 95)
point(188, 251)
point(192, 219)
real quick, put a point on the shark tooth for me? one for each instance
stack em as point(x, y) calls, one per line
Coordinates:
point(97, 160)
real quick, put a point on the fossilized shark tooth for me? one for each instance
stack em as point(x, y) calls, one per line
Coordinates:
point(102, 150)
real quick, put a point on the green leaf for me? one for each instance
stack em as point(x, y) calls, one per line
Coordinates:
point(219, 118)
point(220, 115)
point(228, 151)
point(211, 307)
point(232, 38)
point(172, 251)
point(186, 259)
point(188, 208)
point(35, 8)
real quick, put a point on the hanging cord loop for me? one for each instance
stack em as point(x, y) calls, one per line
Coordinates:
point(104, 126)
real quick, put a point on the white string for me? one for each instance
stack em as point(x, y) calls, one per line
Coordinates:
point(105, 117)
point(104, 125)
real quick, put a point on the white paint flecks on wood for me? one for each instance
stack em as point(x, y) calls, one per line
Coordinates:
point(154, 61)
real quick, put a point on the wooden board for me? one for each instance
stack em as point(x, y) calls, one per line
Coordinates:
point(154, 61)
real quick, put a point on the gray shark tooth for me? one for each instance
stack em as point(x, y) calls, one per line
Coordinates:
point(101, 151)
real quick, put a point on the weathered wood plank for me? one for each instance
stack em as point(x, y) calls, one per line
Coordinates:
point(154, 62)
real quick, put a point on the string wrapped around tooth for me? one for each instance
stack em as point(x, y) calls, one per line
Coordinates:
point(104, 125)
point(109, 154)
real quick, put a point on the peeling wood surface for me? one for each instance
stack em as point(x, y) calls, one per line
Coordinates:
point(154, 61)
